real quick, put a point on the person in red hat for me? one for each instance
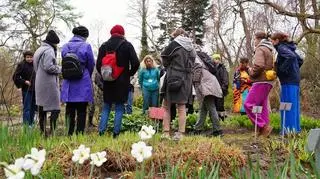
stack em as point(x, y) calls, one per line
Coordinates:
point(115, 91)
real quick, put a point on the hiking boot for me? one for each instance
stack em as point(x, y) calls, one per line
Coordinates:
point(165, 136)
point(178, 136)
point(266, 130)
point(101, 133)
point(115, 135)
point(217, 133)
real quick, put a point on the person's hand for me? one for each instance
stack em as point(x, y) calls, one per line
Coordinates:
point(27, 83)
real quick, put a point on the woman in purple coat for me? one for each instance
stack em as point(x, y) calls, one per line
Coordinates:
point(78, 93)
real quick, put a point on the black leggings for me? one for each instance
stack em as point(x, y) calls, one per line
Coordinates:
point(81, 109)
point(43, 118)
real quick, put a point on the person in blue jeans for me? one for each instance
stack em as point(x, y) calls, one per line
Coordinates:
point(24, 78)
point(149, 78)
point(116, 92)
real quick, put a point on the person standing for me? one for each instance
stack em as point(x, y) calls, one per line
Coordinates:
point(178, 59)
point(241, 86)
point(223, 78)
point(47, 81)
point(207, 89)
point(288, 65)
point(24, 78)
point(116, 92)
point(262, 84)
point(149, 76)
point(78, 92)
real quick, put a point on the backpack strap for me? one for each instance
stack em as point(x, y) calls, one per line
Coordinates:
point(118, 46)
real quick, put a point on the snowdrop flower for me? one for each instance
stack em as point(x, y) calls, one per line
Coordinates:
point(141, 151)
point(35, 161)
point(15, 171)
point(81, 154)
point(98, 158)
point(146, 132)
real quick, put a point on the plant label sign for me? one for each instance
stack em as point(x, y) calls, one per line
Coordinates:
point(313, 145)
point(285, 106)
point(257, 109)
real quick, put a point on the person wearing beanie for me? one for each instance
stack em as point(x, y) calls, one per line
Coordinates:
point(81, 31)
point(24, 78)
point(116, 92)
point(222, 76)
point(47, 82)
point(77, 100)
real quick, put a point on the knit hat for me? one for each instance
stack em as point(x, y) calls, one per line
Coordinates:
point(117, 29)
point(216, 56)
point(81, 31)
point(52, 37)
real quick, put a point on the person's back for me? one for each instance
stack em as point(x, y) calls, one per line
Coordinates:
point(47, 81)
point(78, 92)
point(178, 59)
point(288, 63)
point(117, 91)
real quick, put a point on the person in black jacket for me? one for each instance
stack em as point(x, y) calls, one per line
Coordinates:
point(223, 78)
point(24, 78)
point(116, 92)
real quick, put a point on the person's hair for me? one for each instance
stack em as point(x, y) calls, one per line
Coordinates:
point(281, 36)
point(143, 64)
point(27, 52)
point(261, 35)
point(244, 60)
point(179, 31)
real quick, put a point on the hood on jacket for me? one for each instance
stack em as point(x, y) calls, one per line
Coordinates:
point(290, 45)
point(185, 42)
point(266, 43)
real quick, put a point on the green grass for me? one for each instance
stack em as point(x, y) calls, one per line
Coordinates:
point(306, 123)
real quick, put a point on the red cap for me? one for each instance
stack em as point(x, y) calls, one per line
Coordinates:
point(117, 30)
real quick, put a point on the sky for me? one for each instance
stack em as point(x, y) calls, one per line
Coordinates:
point(99, 16)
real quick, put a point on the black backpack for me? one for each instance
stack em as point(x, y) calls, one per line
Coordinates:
point(207, 62)
point(71, 65)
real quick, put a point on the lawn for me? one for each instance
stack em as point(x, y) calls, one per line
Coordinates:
point(237, 154)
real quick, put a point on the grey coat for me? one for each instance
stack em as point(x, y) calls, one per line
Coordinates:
point(178, 60)
point(205, 83)
point(47, 81)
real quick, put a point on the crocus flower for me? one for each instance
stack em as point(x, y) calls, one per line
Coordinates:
point(14, 171)
point(98, 158)
point(81, 154)
point(35, 161)
point(141, 151)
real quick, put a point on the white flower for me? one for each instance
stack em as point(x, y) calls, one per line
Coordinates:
point(141, 151)
point(15, 171)
point(146, 132)
point(34, 161)
point(81, 154)
point(98, 158)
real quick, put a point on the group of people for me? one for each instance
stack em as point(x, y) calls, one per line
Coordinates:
point(185, 71)
point(275, 56)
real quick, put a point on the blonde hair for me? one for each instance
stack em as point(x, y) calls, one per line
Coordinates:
point(143, 63)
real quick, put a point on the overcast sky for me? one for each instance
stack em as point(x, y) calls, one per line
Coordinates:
point(99, 16)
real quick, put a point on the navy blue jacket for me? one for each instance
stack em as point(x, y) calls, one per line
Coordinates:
point(288, 63)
